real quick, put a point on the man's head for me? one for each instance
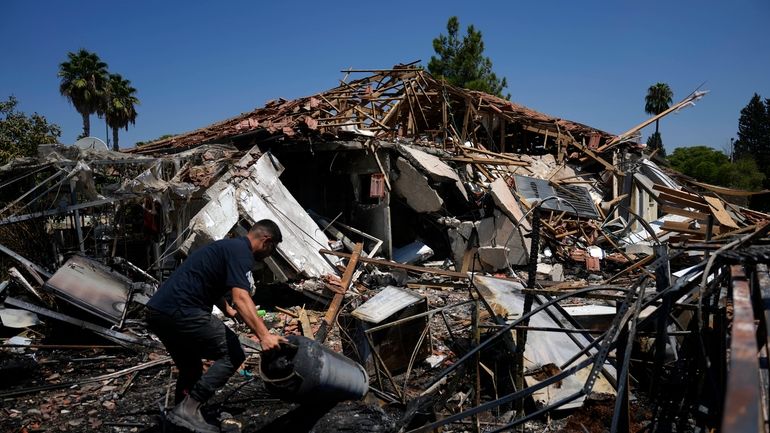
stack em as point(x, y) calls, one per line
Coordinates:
point(264, 236)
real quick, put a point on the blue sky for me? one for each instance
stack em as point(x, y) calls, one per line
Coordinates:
point(195, 62)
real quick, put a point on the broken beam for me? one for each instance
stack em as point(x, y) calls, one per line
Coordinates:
point(388, 263)
point(116, 336)
point(334, 306)
point(57, 211)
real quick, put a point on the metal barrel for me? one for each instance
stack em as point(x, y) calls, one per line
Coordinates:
point(305, 369)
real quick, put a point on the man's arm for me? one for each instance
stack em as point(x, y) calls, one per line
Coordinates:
point(248, 312)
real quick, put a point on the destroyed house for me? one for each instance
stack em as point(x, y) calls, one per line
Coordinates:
point(487, 265)
point(381, 152)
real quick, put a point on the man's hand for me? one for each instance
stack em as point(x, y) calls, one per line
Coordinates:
point(248, 312)
point(270, 341)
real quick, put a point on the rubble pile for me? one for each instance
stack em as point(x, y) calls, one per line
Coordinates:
point(489, 267)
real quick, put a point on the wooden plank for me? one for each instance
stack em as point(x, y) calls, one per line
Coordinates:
point(736, 232)
point(636, 265)
point(683, 225)
point(622, 137)
point(727, 191)
point(700, 206)
point(685, 213)
point(304, 321)
point(742, 395)
point(336, 303)
point(677, 193)
point(677, 227)
point(720, 213)
point(490, 153)
point(597, 158)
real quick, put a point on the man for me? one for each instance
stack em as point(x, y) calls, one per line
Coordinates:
point(180, 315)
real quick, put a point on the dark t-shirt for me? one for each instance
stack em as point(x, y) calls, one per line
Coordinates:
point(205, 277)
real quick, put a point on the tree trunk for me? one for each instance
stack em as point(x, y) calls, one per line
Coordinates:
point(115, 140)
point(86, 124)
point(656, 126)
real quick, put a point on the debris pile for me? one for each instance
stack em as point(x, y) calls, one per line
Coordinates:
point(488, 266)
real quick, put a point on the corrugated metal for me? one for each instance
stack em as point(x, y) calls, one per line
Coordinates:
point(537, 189)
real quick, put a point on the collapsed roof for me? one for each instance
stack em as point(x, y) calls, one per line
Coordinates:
point(390, 105)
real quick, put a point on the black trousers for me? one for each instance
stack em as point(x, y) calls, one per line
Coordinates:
point(191, 338)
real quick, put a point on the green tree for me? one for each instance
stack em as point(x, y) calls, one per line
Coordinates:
point(712, 166)
point(658, 99)
point(121, 106)
point(754, 132)
point(83, 82)
point(20, 134)
point(461, 62)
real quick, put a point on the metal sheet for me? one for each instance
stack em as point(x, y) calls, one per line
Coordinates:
point(263, 195)
point(542, 348)
point(390, 300)
point(537, 189)
point(91, 286)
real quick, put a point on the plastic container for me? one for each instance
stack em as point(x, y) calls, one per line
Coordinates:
point(306, 370)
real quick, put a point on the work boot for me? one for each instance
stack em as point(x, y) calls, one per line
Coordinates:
point(187, 414)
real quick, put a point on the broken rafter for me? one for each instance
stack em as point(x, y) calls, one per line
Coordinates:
point(334, 306)
point(689, 100)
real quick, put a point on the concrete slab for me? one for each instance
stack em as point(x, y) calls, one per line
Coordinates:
point(500, 231)
point(506, 202)
point(413, 187)
point(436, 169)
point(458, 241)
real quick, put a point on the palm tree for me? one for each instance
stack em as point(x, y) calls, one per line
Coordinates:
point(658, 100)
point(83, 80)
point(120, 108)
